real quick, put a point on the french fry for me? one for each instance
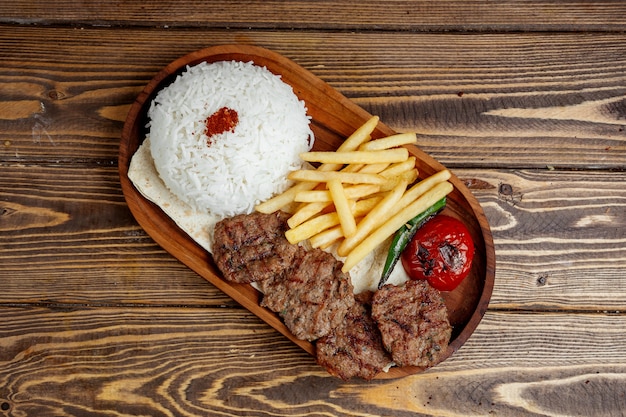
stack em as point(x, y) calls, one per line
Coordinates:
point(314, 196)
point(281, 200)
point(409, 176)
point(357, 197)
point(373, 219)
point(362, 207)
point(326, 238)
point(357, 157)
point(353, 192)
point(360, 135)
point(288, 196)
point(366, 168)
point(395, 222)
point(423, 186)
point(311, 227)
point(344, 177)
point(352, 143)
point(374, 168)
point(353, 168)
point(305, 212)
point(389, 142)
point(398, 168)
point(309, 210)
point(342, 205)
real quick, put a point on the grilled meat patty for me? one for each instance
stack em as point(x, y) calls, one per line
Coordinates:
point(252, 247)
point(413, 321)
point(406, 324)
point(355, 348)
point(307, 288)
point(313, 296)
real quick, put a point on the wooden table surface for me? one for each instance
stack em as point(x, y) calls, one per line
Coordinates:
point(523, 100)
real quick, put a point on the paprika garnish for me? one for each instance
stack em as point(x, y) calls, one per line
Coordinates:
point(223, 120)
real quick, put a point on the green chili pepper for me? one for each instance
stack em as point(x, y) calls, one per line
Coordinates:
point(404, 235)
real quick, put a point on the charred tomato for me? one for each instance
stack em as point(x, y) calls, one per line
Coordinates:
point(441, 252)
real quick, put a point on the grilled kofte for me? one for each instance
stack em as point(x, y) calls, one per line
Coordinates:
point(413, 321)
point(312, 297)
point(197, 176)
point(252, 247)
point(306, 287)
point(405, 325)
point(355, 348)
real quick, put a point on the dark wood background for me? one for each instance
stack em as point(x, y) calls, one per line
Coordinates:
point(524, 100)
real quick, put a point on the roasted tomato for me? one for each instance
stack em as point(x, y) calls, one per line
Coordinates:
point(441, 252)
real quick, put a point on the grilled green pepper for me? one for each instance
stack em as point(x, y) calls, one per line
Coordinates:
point(404, 235)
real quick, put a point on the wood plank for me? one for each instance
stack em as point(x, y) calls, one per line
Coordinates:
point(67, 236)
point(523, 99)
point(475, 100)
point(420, 15)
point(559, 237)
point(195, 361)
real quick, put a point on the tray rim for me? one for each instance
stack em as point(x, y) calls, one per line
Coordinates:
point(200, 261)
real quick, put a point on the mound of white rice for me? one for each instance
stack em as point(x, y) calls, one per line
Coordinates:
point(237, 169)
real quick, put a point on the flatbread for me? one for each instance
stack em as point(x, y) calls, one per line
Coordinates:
point(199, 226)
point(144, 176)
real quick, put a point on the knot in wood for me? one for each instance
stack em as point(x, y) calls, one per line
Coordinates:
point(505, 189)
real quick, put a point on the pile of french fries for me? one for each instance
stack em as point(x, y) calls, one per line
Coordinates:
point(358, 196)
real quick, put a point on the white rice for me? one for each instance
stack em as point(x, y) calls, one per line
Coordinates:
point(240, 168)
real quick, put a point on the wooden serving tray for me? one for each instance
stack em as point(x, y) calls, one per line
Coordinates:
point(334, 117)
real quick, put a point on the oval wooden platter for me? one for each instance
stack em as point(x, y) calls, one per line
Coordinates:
point(334, 117)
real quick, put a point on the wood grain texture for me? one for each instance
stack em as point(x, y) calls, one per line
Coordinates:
point(525, 100)
point(64, 239)
point(411, 15)
point(558, 243)
point(66, 232)
point(333, 118)
point(475, 100)
point(193, 362)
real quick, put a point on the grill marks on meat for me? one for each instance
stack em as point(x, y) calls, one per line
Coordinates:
point(355, 348)
point(252, 247)
point(405, 324)
point(312, 297)
point(413, 321)
point(307, 288)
